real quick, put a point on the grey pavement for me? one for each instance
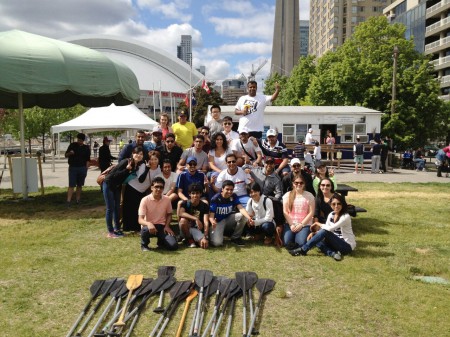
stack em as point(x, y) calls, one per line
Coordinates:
point(59, 176)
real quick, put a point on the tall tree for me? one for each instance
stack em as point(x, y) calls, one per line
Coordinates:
point(269, 86)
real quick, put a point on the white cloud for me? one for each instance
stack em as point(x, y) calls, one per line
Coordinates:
point(304, 9)
point(253, 48)
point(169, 9)
point(216, 69)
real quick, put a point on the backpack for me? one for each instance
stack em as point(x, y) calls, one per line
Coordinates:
point(264, 203)
point(102, 176)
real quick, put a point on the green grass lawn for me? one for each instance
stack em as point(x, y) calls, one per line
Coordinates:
point(51, 254)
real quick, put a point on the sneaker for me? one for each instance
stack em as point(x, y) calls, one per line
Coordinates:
point(238, 242)
point(191, 243)
point(337, 256)
point(355, 172)
point(145, 248)
point(297, 252)
point(119, 233)
point(112, 235)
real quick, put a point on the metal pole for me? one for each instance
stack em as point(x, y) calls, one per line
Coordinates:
point(394, 79)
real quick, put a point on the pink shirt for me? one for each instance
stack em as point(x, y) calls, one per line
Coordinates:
point(155, 211)
point(300, 208)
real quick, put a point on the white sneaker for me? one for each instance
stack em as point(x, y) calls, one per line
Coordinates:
point(337, 256)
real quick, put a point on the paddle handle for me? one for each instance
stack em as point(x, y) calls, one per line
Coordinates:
point(252, 324)
point(183, 319)
point(210, 322)
point(120, 321)
point(133, 323)
point(152, 334)
point(230, 317)
point(216, 328)
point(163, 327)
point(197, 318)
point(102, 316)
point(74, 326)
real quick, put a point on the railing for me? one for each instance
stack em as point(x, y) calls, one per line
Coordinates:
point(437, 6)
point(438, 24)
point(441, 60)
point(437, 43)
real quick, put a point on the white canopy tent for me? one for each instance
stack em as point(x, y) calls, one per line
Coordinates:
point(112, 117)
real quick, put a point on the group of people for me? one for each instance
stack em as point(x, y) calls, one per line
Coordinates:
point(224, 183)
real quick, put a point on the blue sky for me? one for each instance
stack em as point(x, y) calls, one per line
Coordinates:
point(228, 36)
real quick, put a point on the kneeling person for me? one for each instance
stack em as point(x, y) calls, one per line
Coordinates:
point(222, 216)
point(193, 215)
point(155, 214)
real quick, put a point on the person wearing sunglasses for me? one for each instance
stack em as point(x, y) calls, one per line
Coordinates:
point(247, 150)
point(322, 172)
point(190, 176)
point(171, 151)
point(335, 238)
point(227, 124)
point(155, 214)
point(298, 209)
point(296, 169)
point(323, 200)
point(184, 131)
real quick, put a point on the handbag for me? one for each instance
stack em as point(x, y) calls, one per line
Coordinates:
point(102, 176)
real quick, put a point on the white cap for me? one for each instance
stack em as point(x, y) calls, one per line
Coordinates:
point(295, 161)
point(157, 128)
point(310, 130)
point(271, 132)
point(244, 129)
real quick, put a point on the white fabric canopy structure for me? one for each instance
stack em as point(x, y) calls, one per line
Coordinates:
point(108, 118)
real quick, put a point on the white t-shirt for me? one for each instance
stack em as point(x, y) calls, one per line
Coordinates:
point(249, 147)
point(232, 135)
point(220, 162)
point(254, 120)
point(240, 180)
point(261, 214)
point(309, 139)
point(140, 187)
point(169, 182)
point(317, 153)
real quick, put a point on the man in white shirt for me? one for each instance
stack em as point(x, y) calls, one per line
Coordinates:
point(246, 151)
point(251, 109)
point(309, 140)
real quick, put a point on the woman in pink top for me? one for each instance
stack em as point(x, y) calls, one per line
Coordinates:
point(298, 210)
point(164, 124)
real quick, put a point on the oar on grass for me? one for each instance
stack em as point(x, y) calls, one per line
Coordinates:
point(233, 290)
point(264, 286)
point(222, 291)
point(133, 282)
point(244, 284)
point(202, 279)
point(163, 270)
point(189, 299)
point(95, 289)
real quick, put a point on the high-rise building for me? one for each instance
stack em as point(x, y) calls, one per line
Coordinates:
point(331, 22)
point(232, 89)
point(286, 40)
point(304, 37)
point(184, 50)
point(201, 69)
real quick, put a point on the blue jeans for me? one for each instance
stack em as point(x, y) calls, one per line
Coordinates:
point(420, 163)
point(267, 228)
point(328, 243)
point(112, 201)
point(299, 238)
point(164, 240)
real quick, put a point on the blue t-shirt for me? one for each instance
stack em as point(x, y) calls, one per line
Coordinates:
point(223, 207)
point(185, 179)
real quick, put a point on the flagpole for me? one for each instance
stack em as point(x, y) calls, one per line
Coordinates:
point(154, 105)
point(160, 99)
point(190, 94)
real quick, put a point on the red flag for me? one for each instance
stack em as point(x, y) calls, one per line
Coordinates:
point(186, 100)
point(205, 86)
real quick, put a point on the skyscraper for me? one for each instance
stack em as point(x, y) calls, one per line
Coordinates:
point(304, 37)
point(286, 37)
point(333, 21)
point(184, 50)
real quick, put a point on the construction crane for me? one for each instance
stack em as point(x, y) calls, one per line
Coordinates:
point(255, 71)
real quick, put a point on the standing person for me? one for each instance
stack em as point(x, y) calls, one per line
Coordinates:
point(309, 140)
point(127, 150)
point(376, 156)
point(171, 151)
point(104, 155)
point(227, 124)
point(358, 153)
point(251, 109)
point(78, 155)
point(164, 124)
point(170, 180)
point(155, 214)
point(194, 221)
point(298, 209)
point(215, 124)
point(330, 141)
point(335, 238)
point(271, 147)
point(95, 149)
point(260, 208)
point(136, 187)
point(299, 151)
point(184, 131)
point(198, 153)
point(384, 154)
point(121, 144)
point(235, 174)
point(223, 219)
point(317, 154)
point(246, 150)
point(296, 169)
point(112, 187)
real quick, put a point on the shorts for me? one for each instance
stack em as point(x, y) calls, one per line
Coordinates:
point(359, 159)
point(77, 175)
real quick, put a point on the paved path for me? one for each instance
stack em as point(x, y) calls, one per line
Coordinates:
point(59, 177)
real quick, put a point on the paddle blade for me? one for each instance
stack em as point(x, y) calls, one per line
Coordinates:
point(252, 278)
point(134, 281)
point(145, 287)
point(265, 285)
point(166, 270)
point(203, 277)
point(96, 287)
point(213, 286)
point(162, 283)
point(180, 288)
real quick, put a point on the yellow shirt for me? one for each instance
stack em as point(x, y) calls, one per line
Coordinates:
point(184, 134)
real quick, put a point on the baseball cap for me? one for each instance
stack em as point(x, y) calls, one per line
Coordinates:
point(191, 158)
point(157, 128)
point(295, 161)
point(269, 159)
point(271, 132)
point(310, 130)
point(182, 113)
point(244, 130)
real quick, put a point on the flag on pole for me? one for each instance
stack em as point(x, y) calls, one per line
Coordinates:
point(205, 86)
point(186, 100)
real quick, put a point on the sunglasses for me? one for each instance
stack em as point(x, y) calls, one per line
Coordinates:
point(336, 204)
point(296, 183)
point(192, 164)
point(204, 133)
point(325, 185)
point(296, 165)
point(170, 141)
point(158, 187)
point(270, 162)
point(231, 162)
point(227, 123)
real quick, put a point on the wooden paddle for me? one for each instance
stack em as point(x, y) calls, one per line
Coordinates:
point(189, 299)
point(133, 282)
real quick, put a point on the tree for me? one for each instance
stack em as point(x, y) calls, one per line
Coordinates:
point(269, 86)
point(360, 73)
